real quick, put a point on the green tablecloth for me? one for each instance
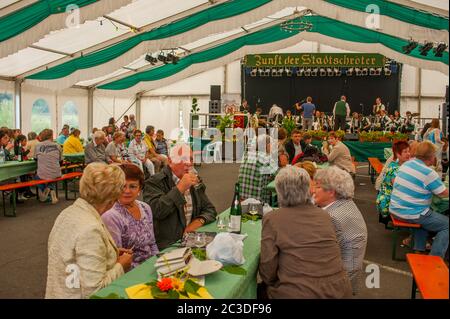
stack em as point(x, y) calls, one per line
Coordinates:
point(14, 169)
point(363, 150)
point(221, 285)
point(74, 158)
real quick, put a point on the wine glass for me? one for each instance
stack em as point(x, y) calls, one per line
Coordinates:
point(199, 240)
point(253, 211)
point(222, 222)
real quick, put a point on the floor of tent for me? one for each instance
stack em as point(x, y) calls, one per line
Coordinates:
point(23, 240)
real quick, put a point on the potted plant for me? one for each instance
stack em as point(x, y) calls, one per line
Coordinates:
point(289, 125)
point(194, 116)
point(225, 122)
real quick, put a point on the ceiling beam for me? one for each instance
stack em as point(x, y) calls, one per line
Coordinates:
point(120, 38)
point(49, 50)
point(132, 27)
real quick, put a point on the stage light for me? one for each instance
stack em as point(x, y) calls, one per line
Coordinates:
point(387, 71)
point(372, 72)
point(365, 72)
point(330, 72)
point(280, 71)
point(274, 72)
point(378, 71)
point(426, 48)
point(163, 58)
point(440, 49)
point(323, 72)
point(288, 71)
point(407, 49)
point(253, 72)
point(151, 59)
point(314, 72)
point(337, 72)
point(267, 72)
point(172, 58)
point(261, 72)
point(358, 72)
point(308, 72)
point(349, 71)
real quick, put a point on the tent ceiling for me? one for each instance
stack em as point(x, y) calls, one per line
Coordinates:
point(113, 27)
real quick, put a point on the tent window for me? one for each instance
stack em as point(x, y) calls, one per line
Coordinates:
point(70, 114)
point(6, 110)
point(40, 116)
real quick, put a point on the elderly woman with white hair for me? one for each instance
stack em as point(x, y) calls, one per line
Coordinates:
point(82, 255)
point(300, 256)
point(334, 191)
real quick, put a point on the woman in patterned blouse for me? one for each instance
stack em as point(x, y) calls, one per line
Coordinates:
point(130, 221)
point(401, 151)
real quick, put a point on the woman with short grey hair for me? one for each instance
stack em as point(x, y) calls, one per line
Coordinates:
point(334, 191)
point(300, 256)
point(292, 186)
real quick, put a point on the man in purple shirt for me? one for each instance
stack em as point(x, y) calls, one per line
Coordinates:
point(308, 112)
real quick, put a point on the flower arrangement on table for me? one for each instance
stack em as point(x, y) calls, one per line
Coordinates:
point(177, 286)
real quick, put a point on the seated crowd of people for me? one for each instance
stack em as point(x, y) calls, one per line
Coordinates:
point(313, 246)
point(109, 145)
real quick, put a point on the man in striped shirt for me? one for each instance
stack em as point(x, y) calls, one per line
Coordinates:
point(411, 198)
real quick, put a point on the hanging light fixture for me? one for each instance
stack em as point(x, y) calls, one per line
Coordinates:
point(297, 23)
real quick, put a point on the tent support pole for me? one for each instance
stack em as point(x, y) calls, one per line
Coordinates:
point(138, 109)
point(18, 104)
point(90, 110)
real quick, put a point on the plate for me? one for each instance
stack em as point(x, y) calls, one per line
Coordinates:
point(201, 268)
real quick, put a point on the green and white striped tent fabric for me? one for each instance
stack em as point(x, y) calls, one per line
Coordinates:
point(107, 49)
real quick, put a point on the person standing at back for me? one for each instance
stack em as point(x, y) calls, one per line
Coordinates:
point(341, 111)
point(308, 113)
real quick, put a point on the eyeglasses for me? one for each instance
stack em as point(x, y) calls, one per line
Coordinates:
point(132, 187)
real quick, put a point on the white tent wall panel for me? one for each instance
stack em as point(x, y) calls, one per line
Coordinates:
point(197, 84)
point(164, 112)
point(30, 95)
point(6, 86)
point(433, 83)
point(80, 98)
point(409, 85)
point(408, 104)
point(431, 107)
point(106, 107)
point(234, 78)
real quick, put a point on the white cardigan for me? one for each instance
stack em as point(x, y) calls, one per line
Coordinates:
point(80, 243)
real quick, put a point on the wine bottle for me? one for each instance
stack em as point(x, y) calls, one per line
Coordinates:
point(236, 211)
point(19, 154)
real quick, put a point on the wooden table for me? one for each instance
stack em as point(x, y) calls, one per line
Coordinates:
point(430, 276)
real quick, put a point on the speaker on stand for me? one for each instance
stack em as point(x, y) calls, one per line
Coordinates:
point(215, 105)
point(214, 108)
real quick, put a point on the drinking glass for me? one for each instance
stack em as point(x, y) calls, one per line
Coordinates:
point(222, 222)
point(252, 210)
point(199, 240)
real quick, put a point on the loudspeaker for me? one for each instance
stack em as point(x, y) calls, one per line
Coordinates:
point(214, 107)
point(215, 93)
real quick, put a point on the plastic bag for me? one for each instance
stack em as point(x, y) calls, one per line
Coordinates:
point(226, 249)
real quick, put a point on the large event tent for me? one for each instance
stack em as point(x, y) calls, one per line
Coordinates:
point(83, 61)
